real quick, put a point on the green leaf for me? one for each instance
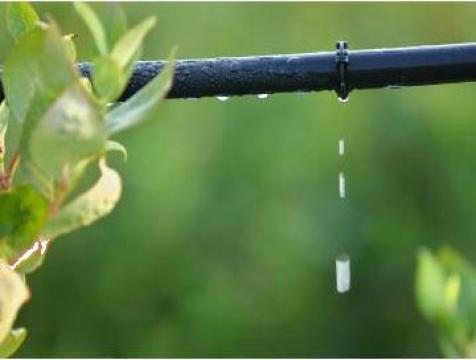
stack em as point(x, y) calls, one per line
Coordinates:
point(70, 46)
point(88, 207)
point(430, 286)
point(456, 264)
point(118, 147)
point(12, 342)
point(13, 294)
point(62, 121)
point(21, 18)
point(20, 77)
point(108, 79)
point(115, 22)
point(452, 292)
point(70, 130)
point(94, 24)
point(86, 83)
point(128, 45)
point(22, 214)
point(142, 103)
point(55, 58)
point(29, 67)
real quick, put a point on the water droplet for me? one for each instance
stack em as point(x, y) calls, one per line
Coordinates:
point(343, 273)
point(223, 98)
point(262, 96)
point(341, 147)
point(344, 100)
point(292, 59)
point(341, 185)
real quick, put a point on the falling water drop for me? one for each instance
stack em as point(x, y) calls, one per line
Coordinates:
point(223, 98)
point(262, 96)
point(343, 273)
point(341, 185)
point(341, 147)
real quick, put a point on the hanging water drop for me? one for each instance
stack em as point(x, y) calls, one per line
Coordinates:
point(343, 273)
point(343, 100)
point(341, 185)
point(262, 96)
point(223, 98)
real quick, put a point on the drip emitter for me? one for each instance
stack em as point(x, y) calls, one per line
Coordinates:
point(342, 71)
point(342, 64)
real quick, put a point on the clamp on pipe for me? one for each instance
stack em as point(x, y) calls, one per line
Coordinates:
point(342, 63)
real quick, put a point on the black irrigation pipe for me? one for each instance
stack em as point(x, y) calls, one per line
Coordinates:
point(341, 70)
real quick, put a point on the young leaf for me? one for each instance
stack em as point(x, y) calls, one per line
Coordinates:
point(142, 103)
point(12, 342)
point(94, 24)
point(108, 79)
point(62, 120)
point(20, 75)
point(21, 18)
point(70, 130)
point(115, 22)
point(466, 288)
point(13, 293)
point(29, 67)
point(70, 46)
point(88, 207)
point(86, 84)
point(115, 146)
point(22, 215)
point(131, 42)
point(430, 286)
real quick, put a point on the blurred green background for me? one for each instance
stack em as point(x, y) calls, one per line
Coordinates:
point(224, 241)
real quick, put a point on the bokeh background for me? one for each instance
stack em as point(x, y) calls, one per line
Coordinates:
point(224, 241)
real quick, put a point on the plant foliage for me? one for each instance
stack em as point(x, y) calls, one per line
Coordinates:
point(446, 295)
point(55, 126)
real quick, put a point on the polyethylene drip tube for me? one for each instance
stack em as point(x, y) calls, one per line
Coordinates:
point(406, 66)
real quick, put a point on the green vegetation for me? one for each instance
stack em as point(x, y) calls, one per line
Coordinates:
point(446, 295)
point(223, 243)
point(61, 129)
